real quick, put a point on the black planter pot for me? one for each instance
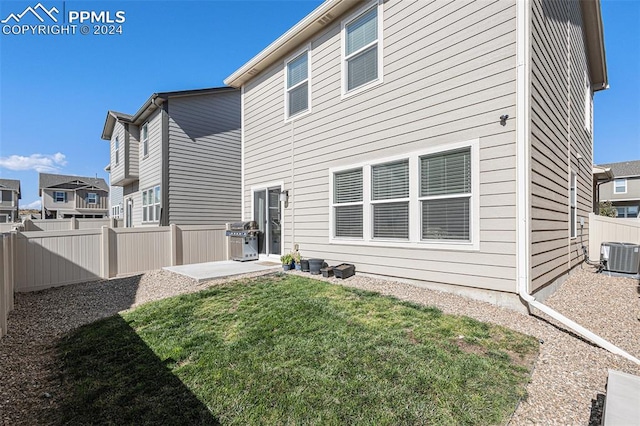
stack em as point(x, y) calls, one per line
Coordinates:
point(315, 265)
point(304, 263)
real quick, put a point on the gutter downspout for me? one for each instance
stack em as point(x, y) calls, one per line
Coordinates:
point(523, 8)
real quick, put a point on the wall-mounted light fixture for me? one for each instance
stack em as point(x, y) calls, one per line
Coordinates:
point(284, 197)
point(503, 119)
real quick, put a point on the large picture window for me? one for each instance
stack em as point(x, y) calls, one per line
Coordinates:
point(297, 85)
point(418, 199)
point(362, 49)
point(151, 204)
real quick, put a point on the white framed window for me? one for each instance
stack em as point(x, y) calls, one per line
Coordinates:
point(573, 210)
point(7, 196)
point(445, 195)
point(151, 204)
point(425, 199)
point(348, 204)
point(144, 139)
point(92, 198)
point(619, 186)
point(297, 84)
point(117, 150)
point(362, 49)
point(628, 211)
point(115, 211)
point(390, 200)
point(59, 197)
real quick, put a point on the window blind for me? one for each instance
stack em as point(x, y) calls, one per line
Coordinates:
point(390, 180)
point(445, 174)
point(348, 187)
point(348, 221)
point(362, 68)
point(362, 31)
point(297, 70)
point(445, 219)
point(391, 220)
point(298, 99)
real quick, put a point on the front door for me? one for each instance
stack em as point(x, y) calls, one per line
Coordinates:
point(267, 213)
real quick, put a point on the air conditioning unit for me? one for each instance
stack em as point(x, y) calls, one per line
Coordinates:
point(621, 257)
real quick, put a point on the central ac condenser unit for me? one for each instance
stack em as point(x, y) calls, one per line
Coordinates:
point(621, 257)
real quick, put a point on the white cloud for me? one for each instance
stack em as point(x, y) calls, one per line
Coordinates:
point(38, 162)
point(31, 206)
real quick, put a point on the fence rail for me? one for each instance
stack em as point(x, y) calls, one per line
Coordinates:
point(606, 229)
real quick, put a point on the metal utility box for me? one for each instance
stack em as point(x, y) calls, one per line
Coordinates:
point(243, 241)
point(621, 257)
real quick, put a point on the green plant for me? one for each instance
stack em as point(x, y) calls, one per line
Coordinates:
point(605, 208)
point(286, 259)
point(296, 256)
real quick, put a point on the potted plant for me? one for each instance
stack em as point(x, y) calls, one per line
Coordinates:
point(297, 259)
point(286, 260)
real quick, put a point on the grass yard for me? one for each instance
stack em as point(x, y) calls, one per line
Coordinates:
point(291, 350)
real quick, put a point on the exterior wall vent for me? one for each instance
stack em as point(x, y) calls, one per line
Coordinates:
point(253, 71)
point(325, 19)
point(621, 257)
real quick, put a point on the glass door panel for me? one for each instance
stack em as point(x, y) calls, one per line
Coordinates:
point(260, 216)
point(275, 224)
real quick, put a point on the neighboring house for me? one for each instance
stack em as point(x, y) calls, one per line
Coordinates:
point(624, 189)
point(66, 196)
point(178, 158)
point(447, 143)
point(9, 200)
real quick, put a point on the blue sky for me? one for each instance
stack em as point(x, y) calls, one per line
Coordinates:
point(55, 90)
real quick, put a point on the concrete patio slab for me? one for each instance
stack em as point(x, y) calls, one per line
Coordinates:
point(225, 268)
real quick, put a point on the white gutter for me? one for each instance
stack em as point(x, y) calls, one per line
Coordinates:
point(523, 8)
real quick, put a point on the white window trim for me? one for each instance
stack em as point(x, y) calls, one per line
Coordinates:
point(588, 105)
point(95, 196)
point(573, 183)
point(265, 187)
point(287, 117)
point(615, 186)
point(144, 141)
point(117, 150)
point(343, 60)
point(154, 204)
point(415, 240)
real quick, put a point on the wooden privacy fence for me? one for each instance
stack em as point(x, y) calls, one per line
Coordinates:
point(6, 279)
point(49, 259)
point(607, 229)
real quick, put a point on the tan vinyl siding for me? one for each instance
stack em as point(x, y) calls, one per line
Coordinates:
point(150, 166)
point(449, 74)
point(633, 191)
point(557, 137)
point(204, 159)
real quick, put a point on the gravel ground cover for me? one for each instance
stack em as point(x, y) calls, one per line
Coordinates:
point(566, 386)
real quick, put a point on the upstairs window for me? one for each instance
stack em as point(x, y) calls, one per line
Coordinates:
point(573, 211)
point(117, 149)
point(362, 50)
point(7, 196)
point(619, 186)
point(588, 105)
point(59, 197)
point(92, 198)
point(297, 85)
point(144, 139)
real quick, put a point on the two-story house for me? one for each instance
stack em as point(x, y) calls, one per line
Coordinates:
point(65, 196)
point(9, 200)
point(623, 191)
point(444, 143)
point(177, 159)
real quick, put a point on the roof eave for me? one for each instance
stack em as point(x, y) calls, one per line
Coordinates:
point(594, 37)
point(315, 21)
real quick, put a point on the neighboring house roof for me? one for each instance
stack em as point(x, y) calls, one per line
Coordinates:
point(330, 10)
point(624, 168)
point(154, 102)
point(11, 184)
point(48, 180)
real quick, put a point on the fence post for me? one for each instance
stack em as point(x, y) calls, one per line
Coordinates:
point(174, 244)
point(10, 268)
point(3, 290)
point(227, 226)
point(28, 224)
point(105, 270)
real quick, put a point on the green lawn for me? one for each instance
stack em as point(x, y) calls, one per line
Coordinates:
point(291, 350)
